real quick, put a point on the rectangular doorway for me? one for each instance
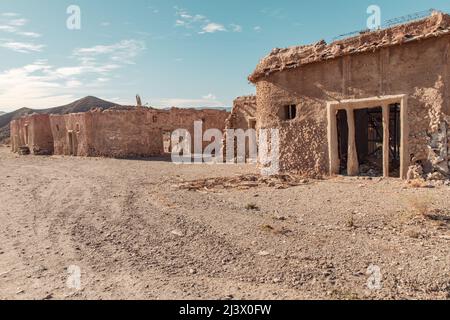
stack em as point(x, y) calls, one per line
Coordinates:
point(71, 143)
point(368, 137)
point(167, 142)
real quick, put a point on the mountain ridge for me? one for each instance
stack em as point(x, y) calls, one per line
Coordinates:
point(81, 105)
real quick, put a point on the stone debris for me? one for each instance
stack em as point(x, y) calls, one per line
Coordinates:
point(23, 151)
point(244, 182)
point(415, 172)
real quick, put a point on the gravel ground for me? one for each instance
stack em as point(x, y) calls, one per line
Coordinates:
point(133, 233)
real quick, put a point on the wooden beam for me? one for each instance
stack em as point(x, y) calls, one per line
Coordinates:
point(352, 163)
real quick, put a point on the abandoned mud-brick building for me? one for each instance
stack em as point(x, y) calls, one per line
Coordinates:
point(135, 132)
point(374, 103)
point(33, 132)
point(120, 133)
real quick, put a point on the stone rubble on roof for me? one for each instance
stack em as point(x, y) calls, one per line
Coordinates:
point(436, 25)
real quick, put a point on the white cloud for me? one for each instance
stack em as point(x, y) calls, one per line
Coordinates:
point(236, 27)
point(30, 34)
point(32, 85)
point(213, 27)
point(7, 28)
point(12, 24)
point(40, 84)
point(105, 24)
point(209, 100)
point(257, 28)
point(10, 14)
point(18, 22)
point(122, 52)
point(21, 47)
point(209, 96)
point(200, 23)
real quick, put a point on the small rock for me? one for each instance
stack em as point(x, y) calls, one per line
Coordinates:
point(263, 253)
point(177, 233)
point(48, 297)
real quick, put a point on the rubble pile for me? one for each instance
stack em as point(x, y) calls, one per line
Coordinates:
point(244, 182)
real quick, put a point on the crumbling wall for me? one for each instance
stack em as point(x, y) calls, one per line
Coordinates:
point(72, 133)
point(123, 134)
point(417, 69)
point(134, 132)
point(33, 132)
point(243, 116)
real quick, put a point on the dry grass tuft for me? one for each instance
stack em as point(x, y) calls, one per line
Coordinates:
point(252, 206)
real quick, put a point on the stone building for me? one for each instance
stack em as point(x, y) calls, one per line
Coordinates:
point(119, 133)
point(376, 104)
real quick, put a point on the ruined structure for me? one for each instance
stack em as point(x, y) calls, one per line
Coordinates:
point(242, 117)
point(376, 103)
point(133, 132)
point(33, 132)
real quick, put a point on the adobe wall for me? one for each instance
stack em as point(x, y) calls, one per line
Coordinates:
point(38, 137)
point(80, 124)
point(418, 69)
point(136, 132)
point(242, 114)
point(122, 134)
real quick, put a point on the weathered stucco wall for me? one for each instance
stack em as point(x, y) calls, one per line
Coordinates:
point(243, 116)
point(418, 69)
point(33, 132)
point(136, 132)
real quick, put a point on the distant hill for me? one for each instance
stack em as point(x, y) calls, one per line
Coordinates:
point(82, 105)
point(2, 112)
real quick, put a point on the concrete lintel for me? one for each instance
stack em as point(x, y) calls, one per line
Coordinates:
point(367, 102)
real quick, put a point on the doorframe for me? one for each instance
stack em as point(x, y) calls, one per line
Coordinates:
point(350, 106)
point(71, 142)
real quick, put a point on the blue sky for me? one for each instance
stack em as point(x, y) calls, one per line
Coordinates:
point(195, 53)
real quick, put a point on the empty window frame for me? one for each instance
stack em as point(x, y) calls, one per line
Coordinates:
point(290, 112)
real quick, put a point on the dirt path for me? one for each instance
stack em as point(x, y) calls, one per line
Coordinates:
point(134, 234)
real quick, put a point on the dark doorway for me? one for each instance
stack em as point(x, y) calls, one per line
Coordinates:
point(368, 138)
point(342, 127)
point(71, 144)
point(394, 140)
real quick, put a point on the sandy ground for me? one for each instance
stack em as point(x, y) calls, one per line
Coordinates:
point(134, 234)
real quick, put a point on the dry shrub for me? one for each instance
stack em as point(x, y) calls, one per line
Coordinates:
point(252, 206)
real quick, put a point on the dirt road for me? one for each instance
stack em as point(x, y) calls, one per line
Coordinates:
point(134, 234)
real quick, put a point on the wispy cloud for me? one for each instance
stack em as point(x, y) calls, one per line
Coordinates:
point(200, 23)
point(33, 85)
point(213, 27)
point(236, 27)
point(17, 39)
point(122, 52)
point(21, 47)
point(210, 96)
point(39, 84)
point(9, 14)
point(209, 100)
